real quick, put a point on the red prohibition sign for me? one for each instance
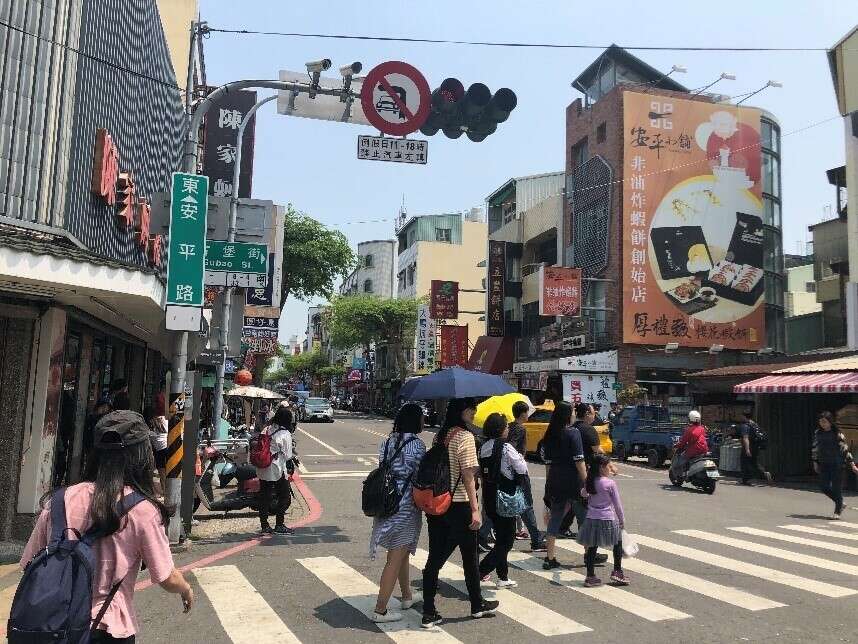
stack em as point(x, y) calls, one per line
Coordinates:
point(408, 116)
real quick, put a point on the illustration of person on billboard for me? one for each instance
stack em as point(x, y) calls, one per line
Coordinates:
point(729, 143)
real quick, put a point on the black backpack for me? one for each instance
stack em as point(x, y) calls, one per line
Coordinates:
point(381, 496)
point(430, 485)
point(757, 436)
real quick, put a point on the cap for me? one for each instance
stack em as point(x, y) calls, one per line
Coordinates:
point(120, 429)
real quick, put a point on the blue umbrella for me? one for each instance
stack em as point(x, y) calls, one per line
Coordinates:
point(455, 383)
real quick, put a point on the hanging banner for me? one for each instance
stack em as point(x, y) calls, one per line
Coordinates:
point(444, 300)
point(221, 136)
point(692, 223)
point(559, 291)
point(424, 341)
point(495, 286)
point(589, 388)
point(454, 346)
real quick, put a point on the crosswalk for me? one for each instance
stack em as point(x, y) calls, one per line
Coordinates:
point(746, 569)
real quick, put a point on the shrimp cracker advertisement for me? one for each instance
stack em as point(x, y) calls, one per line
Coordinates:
point(692, 224)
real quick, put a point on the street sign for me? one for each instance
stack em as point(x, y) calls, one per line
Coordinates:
point(211, 357)
point(321, 106)
point(618, 386)
point(395, 98)
point(187, 251)
point(381, 148)
point(238, 280)
point(236, 257)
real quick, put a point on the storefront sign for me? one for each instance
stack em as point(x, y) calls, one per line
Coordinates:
point(536, 366)
point(424, 341)
point(692, 224)
point(105, 167)
point(454, 346)
point(219, 154)
point(601, 361)
point(355, 375)
point(260, 346)
point(559, 291)
point(589, 388)
point(186, 267)
point(567, 335)
point(358, 362)
point(444, 300)
point(495, 285)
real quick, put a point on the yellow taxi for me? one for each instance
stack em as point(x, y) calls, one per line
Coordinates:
point(537, 424)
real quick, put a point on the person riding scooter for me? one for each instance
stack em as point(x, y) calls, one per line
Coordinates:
point(692, 444)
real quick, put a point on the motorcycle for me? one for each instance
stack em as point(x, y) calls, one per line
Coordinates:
point(701, 471)
point(246, 495)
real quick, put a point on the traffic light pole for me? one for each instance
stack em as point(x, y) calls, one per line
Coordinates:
point(226, 310)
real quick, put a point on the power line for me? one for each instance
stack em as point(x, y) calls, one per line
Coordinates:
point(531, 45)
point(96, 59)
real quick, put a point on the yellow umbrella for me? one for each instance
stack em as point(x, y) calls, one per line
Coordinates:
point(500, 405)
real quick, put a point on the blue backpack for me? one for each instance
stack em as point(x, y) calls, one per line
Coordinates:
point(53, 602)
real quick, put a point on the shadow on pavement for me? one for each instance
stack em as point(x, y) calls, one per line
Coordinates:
point(809, 517)
point(308, 536)
point(332, 614)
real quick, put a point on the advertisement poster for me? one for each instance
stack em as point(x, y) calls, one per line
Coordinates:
point(454, 346)
point(221, 136)
point(424, 342)
point(444, 300)
point(692, 224)
point(495, 321)
point(589, 388)
point(559, 291)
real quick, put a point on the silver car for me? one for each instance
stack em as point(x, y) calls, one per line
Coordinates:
point(318, 409)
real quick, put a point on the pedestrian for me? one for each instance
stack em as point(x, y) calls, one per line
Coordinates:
point(830, 454)
point(158, 428)
point(566, 474)
point(502, 469)
point(750, 435)
point(121, 463)
point(517, 437)
point(603, 527)
point(400, 532)
point(459, 525)
point(274, 479)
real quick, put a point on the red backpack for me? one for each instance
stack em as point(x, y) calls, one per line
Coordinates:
point(430, 485)
point(259, 448)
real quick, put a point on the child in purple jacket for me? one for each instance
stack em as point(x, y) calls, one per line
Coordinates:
point(604, 523)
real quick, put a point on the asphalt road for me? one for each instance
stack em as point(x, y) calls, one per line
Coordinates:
point(720, 568)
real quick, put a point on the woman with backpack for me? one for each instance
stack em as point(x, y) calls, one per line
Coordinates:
point(830, 455)
point(274, 478)
point(158, 426)
point(115, 510)
point(399, 532)
point(503, 471)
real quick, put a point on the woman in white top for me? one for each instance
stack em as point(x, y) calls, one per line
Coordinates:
point(158, 426)
point(274, 479)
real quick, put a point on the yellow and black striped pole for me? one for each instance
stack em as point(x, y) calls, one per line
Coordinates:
point(173, 493)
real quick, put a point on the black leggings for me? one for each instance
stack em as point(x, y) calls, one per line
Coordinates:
point(284, 500)
point(496, 558)
point(831, 482)
point(590, 559)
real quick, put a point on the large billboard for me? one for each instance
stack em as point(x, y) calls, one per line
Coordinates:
point(692, 224)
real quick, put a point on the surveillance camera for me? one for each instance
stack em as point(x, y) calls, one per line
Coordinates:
point(351, 70)
point(317, 66)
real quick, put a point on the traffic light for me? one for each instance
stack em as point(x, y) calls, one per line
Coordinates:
point(475, 112)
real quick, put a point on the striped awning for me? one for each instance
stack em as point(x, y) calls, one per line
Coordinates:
point(806, 383)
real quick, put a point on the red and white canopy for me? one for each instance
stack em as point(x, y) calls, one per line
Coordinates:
point(805, 383)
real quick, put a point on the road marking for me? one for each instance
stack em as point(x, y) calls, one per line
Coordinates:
point(524, 611)
point(332, 456)
point(761, 572)
point(790, 538)
point(337, 475)
point(322, 443)
point(302, 468)
point(244, 614)
point(726, 594)
point(360, 593)
point(7, 569)
point(780, 553)
point(622, 599)
point(628, 476)
point(843, 524)
point(821, 532)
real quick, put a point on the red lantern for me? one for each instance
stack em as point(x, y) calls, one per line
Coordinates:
point(243, 377)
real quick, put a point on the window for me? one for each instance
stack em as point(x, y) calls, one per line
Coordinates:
point(772, 254)
point(771, 212)
point(367, 261)
point(580, 153)
point(411, 270)
point(810, 287)
point(443, 235)
point(601, 133)
point(508, 212)
point(771, 174)
point(400, 278)
point(412, 237)
point(367, 286)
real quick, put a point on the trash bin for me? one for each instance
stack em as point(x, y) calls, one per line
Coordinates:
point(731, 456)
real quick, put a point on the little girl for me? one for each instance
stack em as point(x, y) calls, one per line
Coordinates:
point(604, 523)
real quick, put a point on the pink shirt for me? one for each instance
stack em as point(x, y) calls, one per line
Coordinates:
point(118, 556)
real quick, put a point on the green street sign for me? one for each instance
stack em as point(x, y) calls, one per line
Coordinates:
point(187, 250)
point(236, 257)
point(618, 386)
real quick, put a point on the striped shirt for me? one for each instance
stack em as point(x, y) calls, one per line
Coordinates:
point(462, 450)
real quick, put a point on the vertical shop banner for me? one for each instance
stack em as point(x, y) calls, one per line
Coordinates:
point(454, 346)
point(444, 300)
point(559, 291)
point(424, 341)
point(692, 224)
point(221, 136)
point(495, 285)
point(589, 388)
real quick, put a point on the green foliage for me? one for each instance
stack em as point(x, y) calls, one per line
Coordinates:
point(632, 395)
point(306, 367)
point(360, 320)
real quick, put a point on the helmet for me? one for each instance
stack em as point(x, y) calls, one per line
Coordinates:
point(694, 416)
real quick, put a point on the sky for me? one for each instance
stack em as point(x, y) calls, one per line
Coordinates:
point(312, 164)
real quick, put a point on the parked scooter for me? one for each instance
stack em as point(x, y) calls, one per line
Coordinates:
point(245, 496)
point(702, 472)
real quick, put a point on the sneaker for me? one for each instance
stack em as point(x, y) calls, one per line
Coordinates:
point(550, 564)
point(522, 535)
point(539, 547)
point(282, 529)
point(592, 582)
point(619, 578)
point(769, 478)
point(386, 617)
point(601, 557)
point(416, 597)
point(487, 609)
point(506, 583)
point(567, 535)
point(486, 577)
point(430, 621)
point(835, 516)
point(266, 529)
point(484, 546)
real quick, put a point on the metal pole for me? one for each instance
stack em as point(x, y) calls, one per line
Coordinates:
point(226, 309)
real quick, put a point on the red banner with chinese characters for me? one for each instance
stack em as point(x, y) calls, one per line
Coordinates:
point(495, 285)
point(559, 291)
point(444, 300)
point(454, 346)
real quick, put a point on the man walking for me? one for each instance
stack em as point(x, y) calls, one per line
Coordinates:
point(517, 437)
point(752, 440)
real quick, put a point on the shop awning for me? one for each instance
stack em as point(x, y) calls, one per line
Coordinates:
point(492, 355)
point(806, 383)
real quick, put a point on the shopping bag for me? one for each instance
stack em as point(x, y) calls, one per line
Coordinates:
point(630, 546)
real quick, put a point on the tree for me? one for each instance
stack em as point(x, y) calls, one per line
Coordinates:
point(306, 367)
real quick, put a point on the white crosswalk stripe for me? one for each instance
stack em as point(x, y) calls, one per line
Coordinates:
point(360, 593)
point(769, 574)
point(524, 611)
point(244, 614)
point(726, 594)
point(804, 541)
point(622, 599)
point(844, 524)
point(822, 532)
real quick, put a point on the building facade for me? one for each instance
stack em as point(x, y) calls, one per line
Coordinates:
point(801, 291)
point(376, 270)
